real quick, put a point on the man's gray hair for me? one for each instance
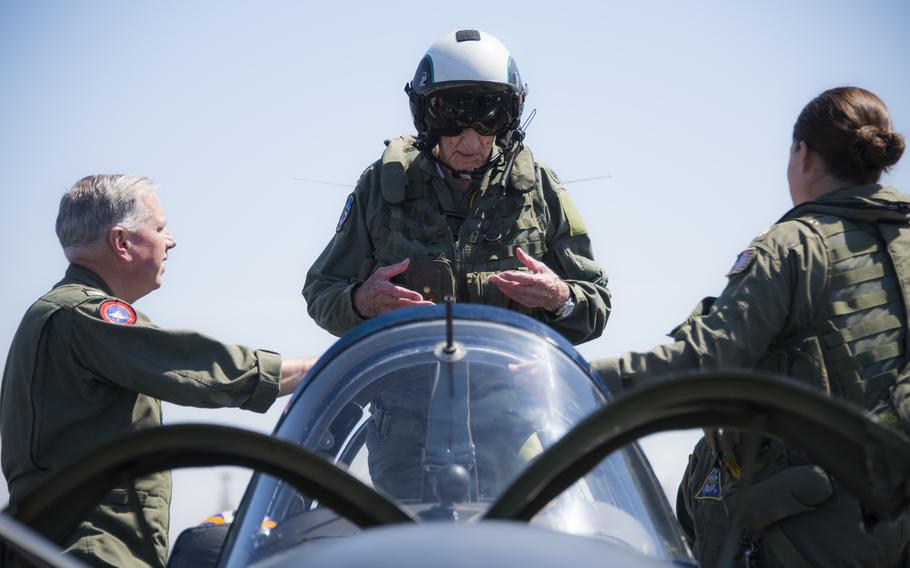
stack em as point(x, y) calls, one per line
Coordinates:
point(96, 204)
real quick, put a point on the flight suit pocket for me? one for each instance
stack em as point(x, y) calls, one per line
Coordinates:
point(433, 278)
point(792, 491)
point(112, 535)
point(802, 361)
point(574, 265)
point(708, 486)
point(496, 257)
point(807, 364)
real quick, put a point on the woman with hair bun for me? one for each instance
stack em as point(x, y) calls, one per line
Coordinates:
point(822, 296)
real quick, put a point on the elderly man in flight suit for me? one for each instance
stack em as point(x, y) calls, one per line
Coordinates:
point(86, 367)
point(462, 210)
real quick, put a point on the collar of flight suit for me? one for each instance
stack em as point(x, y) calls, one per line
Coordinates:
point(867, 203)
point(76, 274)
point(523, 176)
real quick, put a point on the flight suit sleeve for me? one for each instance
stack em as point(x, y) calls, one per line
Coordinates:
point(570, 255)
point(179, 366)
point(684, 495)
point(771, 295)
point(346, 262)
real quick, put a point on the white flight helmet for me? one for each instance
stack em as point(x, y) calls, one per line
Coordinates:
point(467, 79)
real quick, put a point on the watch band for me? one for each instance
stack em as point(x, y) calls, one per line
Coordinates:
point(567, 308)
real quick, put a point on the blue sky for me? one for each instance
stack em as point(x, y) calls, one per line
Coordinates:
point(688, 106)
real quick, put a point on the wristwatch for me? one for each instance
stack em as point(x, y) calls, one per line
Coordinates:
point(567, 308)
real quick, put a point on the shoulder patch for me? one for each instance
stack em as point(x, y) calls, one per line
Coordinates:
point(115, 311)
point(345, 213)
point(710, 488)
point(573, 216)
point(743, 261)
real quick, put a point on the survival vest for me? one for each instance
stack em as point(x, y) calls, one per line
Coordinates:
point(498, 222)
point(859, 340)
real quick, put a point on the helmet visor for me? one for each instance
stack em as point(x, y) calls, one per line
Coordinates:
point(489, 113)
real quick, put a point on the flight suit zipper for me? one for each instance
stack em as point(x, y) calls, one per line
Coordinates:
point(460, 277)
point(461, 273)
point(455, 241)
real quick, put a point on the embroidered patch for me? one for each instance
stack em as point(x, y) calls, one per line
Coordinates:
point(742, 261)
point(115, 311)
point(710, 487)
point(345, 212)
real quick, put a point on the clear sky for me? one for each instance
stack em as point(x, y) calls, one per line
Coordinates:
point(688, 105)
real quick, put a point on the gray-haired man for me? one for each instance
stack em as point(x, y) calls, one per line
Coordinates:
point(86, 367)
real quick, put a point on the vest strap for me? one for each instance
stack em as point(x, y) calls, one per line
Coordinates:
point(878, 386)
point(399, 153)
point(880, 353)
point(534, 248)
point(861, 330)
point(890, 294)
point(850, 384)
point(860, 275)
point(868, 393)
point(855, 392)
point(843, 253)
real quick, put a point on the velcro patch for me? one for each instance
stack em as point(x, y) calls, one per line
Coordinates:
point(710, 487)
point(345, 213)
point(573, 216)
point(115, 311)
point(743, 261)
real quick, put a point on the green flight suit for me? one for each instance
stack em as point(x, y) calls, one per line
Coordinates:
point(395, 213)
point(85, 368)
point(822, 296)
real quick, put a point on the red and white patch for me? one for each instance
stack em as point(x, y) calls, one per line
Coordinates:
point(115, 311)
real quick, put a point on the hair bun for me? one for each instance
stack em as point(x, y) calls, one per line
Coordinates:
point(875, 149)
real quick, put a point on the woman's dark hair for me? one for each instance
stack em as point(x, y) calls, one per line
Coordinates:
point(850, 129)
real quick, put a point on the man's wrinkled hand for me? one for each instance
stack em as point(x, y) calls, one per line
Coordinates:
point(377, 295)
point(540, 288)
